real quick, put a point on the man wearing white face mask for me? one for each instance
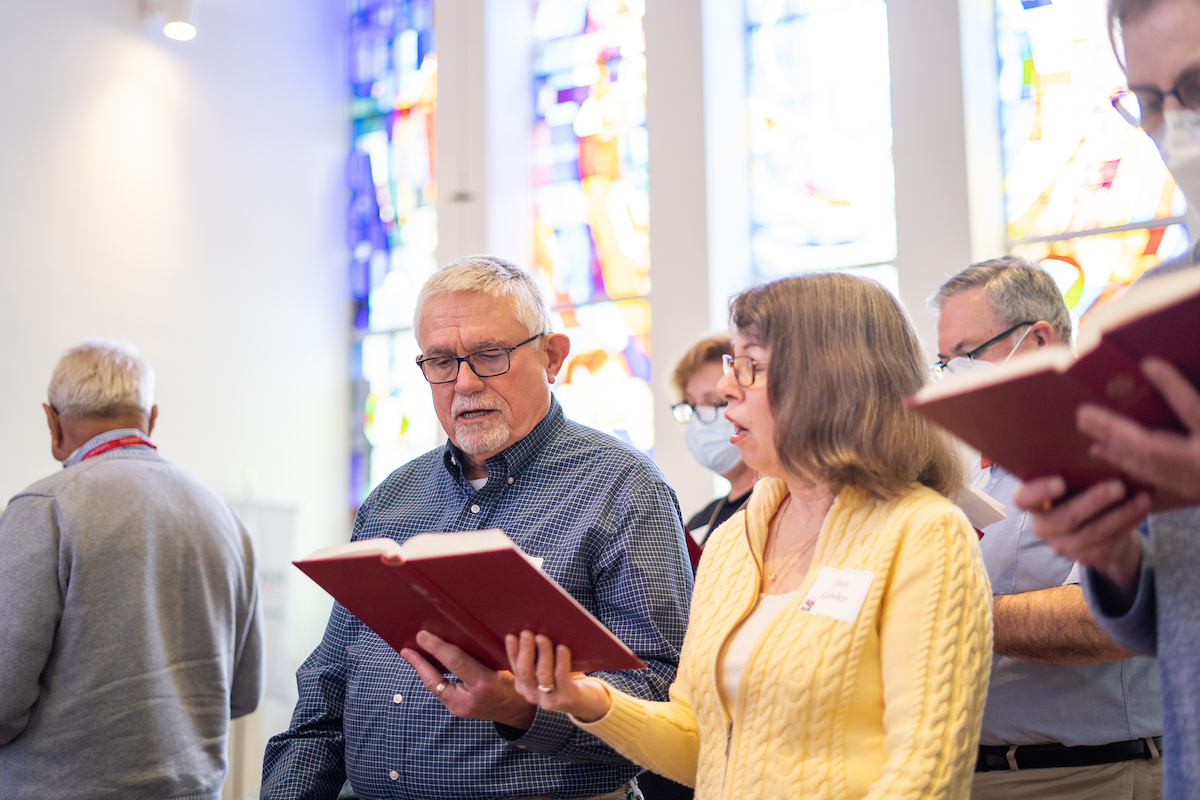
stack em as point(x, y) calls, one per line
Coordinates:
point(1069, 713)
point(1141, 583)
point(708, 432)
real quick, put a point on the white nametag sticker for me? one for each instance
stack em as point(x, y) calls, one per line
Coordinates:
point(838, 593)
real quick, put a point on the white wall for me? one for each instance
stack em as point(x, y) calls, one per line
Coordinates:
point(187, 197)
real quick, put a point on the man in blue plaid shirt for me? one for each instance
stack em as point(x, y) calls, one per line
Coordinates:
point(598, 512)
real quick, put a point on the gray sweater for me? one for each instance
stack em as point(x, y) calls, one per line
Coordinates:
point(130, 633)
point(1164, 621)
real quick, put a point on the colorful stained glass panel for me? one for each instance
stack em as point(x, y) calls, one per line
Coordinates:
point(1090, 269)
point(606, 380)
point(392, 231)
point(1071, 162)
point(822, 186)
point(590, 150)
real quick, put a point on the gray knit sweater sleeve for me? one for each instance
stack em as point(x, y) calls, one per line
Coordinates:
point(29, 573)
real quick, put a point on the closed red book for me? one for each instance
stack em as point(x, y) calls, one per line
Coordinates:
point(1022, 415)
point(469, 588)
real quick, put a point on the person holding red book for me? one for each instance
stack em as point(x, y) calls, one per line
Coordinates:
point(1142, 567)
point(596, 512)
point(1069, 713)
point(840, 637)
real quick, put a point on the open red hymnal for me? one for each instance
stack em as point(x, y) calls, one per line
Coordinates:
point(469, 588)
point(1021, 415)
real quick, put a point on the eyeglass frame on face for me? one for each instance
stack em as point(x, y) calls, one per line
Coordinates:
point(470, 363)
point(684, 411)
point(939, 367)
point(1121, 95)
point(729, 364)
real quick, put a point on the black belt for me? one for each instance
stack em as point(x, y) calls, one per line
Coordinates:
point(1041, 756)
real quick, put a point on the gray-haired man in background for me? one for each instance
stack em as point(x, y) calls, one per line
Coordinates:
point(1069, 713)
point(130, 633)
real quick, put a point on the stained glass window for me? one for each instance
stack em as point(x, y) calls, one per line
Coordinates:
point(591, 217)
point(1083, 188)
point(822, 186)
point(392, 229)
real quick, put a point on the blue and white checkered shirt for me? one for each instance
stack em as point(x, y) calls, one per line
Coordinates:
point(609, 529)
point(130, 451)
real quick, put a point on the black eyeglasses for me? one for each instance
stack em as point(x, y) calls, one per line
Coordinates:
point(706, 413)
point(485, 363)
point(744, 368)
point(1142, 106)
point(946, 366)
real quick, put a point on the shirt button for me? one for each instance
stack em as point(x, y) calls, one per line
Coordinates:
point(474, 509)
point(510, 480)
point(396, 698)
point(394, 775)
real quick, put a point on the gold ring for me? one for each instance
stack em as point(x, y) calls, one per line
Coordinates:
point(546, 689)
point(437, 690)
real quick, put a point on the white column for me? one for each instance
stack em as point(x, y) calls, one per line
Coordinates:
point(461, 130)
point(679, 251)
point(929, 146)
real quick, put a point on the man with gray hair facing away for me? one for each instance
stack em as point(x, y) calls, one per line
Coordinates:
point(130, 632)
point(1069, 713)
point(596, 510)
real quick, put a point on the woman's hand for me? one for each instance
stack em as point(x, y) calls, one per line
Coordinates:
point(544, 678)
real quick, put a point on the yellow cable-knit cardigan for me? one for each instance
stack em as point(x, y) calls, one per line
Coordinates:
point(887, 706)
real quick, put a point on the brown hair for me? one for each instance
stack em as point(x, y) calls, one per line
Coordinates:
point(844, 356)
point(705, 351)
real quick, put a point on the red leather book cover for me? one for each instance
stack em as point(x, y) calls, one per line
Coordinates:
point(1023, 415)
point(470, 597)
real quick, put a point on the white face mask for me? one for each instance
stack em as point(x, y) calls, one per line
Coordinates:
point(709, 443)
point(1178, 140)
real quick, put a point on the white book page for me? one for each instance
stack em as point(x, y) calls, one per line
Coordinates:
point(363, 547)
point(981, 509)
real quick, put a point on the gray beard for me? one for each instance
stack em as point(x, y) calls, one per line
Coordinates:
point(491, 438)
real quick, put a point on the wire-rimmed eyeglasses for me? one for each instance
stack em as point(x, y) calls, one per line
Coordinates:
point(948, 365)
point(706, 413)
point(1142, 106)
point(486, 363)
point(744, 368)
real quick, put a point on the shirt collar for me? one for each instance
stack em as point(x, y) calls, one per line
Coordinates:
point(96, 441)
point(512, 461)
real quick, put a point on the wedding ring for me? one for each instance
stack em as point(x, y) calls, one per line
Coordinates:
point(546, 689)
point(437, 690)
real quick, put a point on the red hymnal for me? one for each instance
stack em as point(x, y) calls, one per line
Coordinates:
point(1022, 414)
point(470, 588)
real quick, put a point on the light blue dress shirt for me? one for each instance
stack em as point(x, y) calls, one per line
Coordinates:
point(1033, 703)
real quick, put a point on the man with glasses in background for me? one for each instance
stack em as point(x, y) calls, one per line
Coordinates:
point(1069, 713)
point(596, 510)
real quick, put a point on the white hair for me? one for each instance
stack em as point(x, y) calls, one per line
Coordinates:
point(495, 277)
point(102, 378)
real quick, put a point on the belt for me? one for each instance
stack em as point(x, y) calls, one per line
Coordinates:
point(1041, 756)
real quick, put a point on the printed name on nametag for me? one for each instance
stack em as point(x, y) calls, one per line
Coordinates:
point(838, 593)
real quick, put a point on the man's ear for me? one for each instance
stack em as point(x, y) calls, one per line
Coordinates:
point(1043, 333)
point(558, 347)
point(56, 429)
point(152, 419)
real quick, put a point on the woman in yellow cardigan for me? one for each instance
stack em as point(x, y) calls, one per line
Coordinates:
point(840, 635)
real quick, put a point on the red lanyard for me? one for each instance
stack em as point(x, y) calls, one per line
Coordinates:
point(115, 444)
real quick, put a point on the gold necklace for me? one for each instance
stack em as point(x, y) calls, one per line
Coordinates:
point(795, 558)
